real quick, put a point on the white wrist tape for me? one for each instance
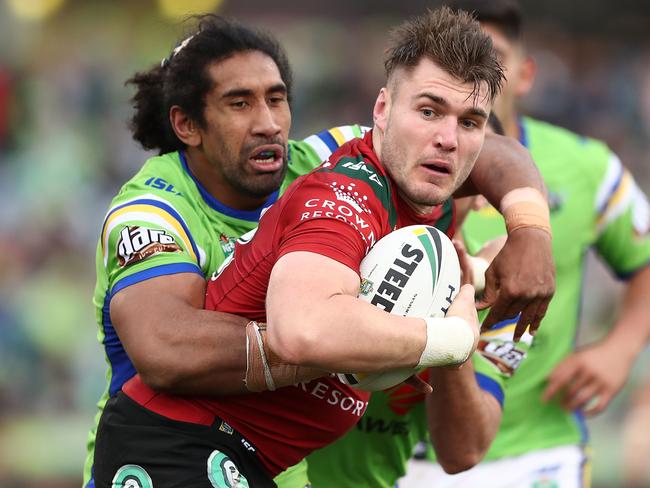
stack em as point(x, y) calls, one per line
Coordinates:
point(450, 340)
point(479, 267)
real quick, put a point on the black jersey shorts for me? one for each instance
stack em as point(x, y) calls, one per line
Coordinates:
point(137, 448)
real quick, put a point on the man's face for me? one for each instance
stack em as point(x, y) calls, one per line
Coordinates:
point(433, 129)
point(516, 69)
point(247, 122)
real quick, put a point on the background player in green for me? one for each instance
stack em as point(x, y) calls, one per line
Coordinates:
point(167, 229)
point(594, 203)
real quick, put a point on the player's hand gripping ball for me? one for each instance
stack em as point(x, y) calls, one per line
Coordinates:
point(413, 272)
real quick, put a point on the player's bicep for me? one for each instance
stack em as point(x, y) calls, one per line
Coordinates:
point(140, 311)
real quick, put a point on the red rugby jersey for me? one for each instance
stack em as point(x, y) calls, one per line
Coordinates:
point(339, 210)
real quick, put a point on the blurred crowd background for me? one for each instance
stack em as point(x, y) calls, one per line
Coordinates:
point(65, 149)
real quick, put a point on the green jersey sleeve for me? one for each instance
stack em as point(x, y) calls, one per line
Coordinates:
point(143, 237)
point(623, 221)
point(498, 357)
point(309, 153)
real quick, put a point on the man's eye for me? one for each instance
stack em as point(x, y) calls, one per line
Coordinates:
point(427, 112)
point(469, 124)
point(238, 104)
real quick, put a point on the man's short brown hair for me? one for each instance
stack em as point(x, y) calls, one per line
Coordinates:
point(452, 40)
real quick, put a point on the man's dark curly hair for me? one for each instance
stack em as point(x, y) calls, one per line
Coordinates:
point(183, 78)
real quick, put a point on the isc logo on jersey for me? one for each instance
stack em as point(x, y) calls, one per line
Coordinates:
point(137, 243)
point(413, 272)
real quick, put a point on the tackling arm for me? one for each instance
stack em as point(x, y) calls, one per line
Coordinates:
point(505, 167)
point(502, 165)
point(174, 344)
point(463, 419)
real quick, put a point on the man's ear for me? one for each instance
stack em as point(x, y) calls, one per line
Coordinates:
point(381, 110)
point(528, 70)
point(185, 128)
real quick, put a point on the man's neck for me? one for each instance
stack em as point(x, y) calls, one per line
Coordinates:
point(377, 137)
point(212, 181)
point(416, 208)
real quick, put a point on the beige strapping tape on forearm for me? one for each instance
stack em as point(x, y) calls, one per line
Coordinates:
point(525, 207)
point(265, 370)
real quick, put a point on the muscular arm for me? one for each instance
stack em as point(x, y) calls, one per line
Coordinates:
point(315, 319)
point(174, 344)
point(593, 375)
point(631, 332)
point(463, 419)
point(503, 165)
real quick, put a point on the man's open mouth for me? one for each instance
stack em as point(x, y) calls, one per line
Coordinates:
point(269, 158)
point(265, 156)
point(438, 168)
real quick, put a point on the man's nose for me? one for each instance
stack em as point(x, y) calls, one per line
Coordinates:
point(266, 123)
point(446, 136)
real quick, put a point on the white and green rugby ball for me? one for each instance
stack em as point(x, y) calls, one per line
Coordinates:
point(413, 272)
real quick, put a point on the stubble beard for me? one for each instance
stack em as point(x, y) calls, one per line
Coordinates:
point(255, 185)
point(395, 164)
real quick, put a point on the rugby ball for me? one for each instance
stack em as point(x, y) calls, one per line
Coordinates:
point(413, 272)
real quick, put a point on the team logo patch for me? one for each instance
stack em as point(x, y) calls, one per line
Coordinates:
point(138, 243)
point(366, 287)
point(227, 244)
point(348, 193)
point(223, 473)
point(360, 165)
point(132, 476)
point(504, 355)
point(224, 427)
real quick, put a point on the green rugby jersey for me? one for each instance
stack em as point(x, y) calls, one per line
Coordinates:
point(374, 453)
point(164, 222)
point(594, 202)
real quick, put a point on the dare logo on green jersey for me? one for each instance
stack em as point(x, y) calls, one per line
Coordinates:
point(137, 243)
point(503, 354)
